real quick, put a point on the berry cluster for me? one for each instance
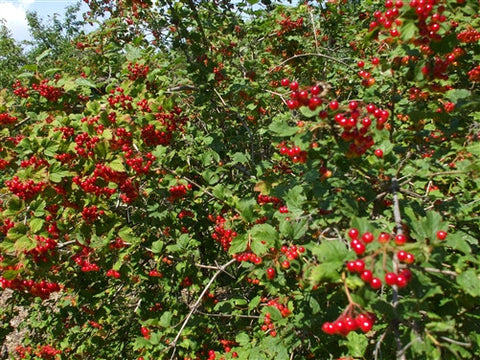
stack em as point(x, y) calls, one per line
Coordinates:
point(49, 92)
point(84, 263)
point(291, 252)
point(113, 273)
point(469, 36)
point(268, 326)
point(359, 244)
point(85, 144)
point(288, 24)
point(222, 235)
point(356, 123)
point(91, 213)
point(89, 185)
point(310, 97)
point(42, 289)
point(474, 74)
point(388, 21)
point(349, 321)
point(248, 257)
point(45, 248)
point(153, 137)
point(34, 162)
point(295, 153)
point(178, 191)
point(20, 90)
point(7, 119)
point(137, 71)
point(25, 190)
point(139, 164)
point(145, 332)
point(42, 352)
point(120, 101)
point(266, 199)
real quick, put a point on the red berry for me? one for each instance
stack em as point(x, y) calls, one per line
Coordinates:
point(367, 237)
point(285, 82)
point(391, 278)
point(379, 153)
point(351, 266)
point(375, 61)
point(333, 105)
point(353, 233)
point(294, 86)
point(375, 283)
point(401, 281)
point(271, 273)
point(409, 259)
point(365, 325)
point(441, 235)
point(359, 266)
point(285, 264)
point(328, 328)
point(353, 105)
point(384, 238)
point(400, 239)
point(361, 64)
point(367, 275)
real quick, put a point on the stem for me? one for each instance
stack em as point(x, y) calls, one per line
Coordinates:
point(196, 305)
point(399, 231)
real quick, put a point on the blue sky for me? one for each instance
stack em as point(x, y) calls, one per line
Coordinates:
point(13, 11)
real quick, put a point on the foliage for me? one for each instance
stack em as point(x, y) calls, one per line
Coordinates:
point(220, 180)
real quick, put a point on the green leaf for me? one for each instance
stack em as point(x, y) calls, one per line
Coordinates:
point(117, 165)
point(43, 55)
point(36, 224)
point(132, 52)
point(469, 281)
point(307, 112)
point(263, 237)
point(165, 319)
point(57, 173)
point(238, 245)
point(157, 246)
point(356, 344)
point(85, 82)
point(242, 339)
point(281, 128)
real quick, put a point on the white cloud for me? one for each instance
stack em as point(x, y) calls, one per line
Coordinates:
point(14, 15)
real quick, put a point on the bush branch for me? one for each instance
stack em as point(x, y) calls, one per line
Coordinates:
point(197, 304)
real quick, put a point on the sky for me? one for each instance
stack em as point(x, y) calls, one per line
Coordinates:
point(13, 11)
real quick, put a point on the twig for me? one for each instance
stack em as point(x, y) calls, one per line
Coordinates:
point(196, 304)
point(399, 231)
point(456, 342)
point(379, 343)
point(439, 271)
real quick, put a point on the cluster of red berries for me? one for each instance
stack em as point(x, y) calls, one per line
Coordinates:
point(42, 289)
point(137, 71)
point(45, 247)
point(35, 162)
point(120, 100)
point(347, 323)
point(140, 164)
point(248, 257)
point(153, 137)
point(389, 19)
point(288, 24)
point(185, 214)
point(89, 185)
point(474, 74)
point(358, 244)
point(7, 119)
point(91, 213)
point(223, 235)
point(49, 92)
point(266, 199)
point(85, 144)
point(227, 346)
point(469, 36)
point(295, 153)
point(25, 190)
point(155, 273)
point(113, 273)
point(367, 78)
point(144, 106)
point(178, 191)
point(82, 260)
point(117, 244)
point(268, 325)
point(20, 90)
point(356, 123)
point(121, 139)
point(303, 97)
point(42, 352)
point(67, 131)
